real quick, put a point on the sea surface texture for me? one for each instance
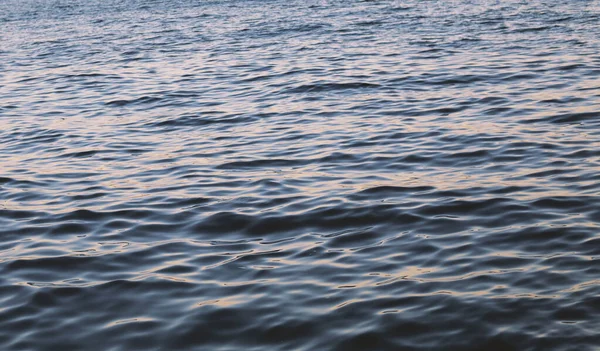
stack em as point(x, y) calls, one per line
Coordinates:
point(299, 175)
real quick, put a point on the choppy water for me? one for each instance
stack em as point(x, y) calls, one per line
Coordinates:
point(299, 175)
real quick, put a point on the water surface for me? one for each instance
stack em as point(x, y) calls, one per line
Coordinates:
point(299, 175)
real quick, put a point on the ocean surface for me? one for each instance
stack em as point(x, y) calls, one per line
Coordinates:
point(299, 175)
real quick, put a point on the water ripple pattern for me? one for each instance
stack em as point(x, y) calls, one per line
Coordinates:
point(299, 175)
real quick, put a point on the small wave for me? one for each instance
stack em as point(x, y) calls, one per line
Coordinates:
point(325, 87)
point(137, 101)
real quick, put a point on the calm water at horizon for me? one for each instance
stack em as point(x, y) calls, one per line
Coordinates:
point(299, 175)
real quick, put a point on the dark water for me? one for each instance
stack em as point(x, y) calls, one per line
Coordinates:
point(299, 175)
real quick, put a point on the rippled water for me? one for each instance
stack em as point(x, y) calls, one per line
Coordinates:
point(299, 175)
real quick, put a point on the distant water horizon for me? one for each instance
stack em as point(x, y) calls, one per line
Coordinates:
point(299, 175)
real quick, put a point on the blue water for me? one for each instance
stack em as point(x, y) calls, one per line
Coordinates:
point(299, 175)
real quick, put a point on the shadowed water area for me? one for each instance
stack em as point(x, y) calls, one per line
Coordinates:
point(299, 175)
